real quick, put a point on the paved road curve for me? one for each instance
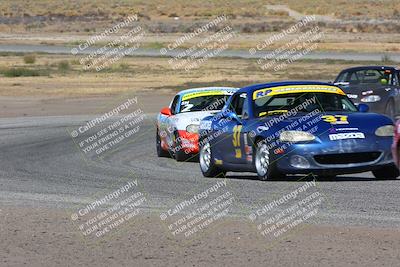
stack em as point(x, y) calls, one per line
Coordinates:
point(41, 166)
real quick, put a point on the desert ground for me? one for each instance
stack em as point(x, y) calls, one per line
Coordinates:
point(46, 179)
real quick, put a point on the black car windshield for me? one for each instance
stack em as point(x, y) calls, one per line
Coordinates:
point(302, 102)
point(203, 103)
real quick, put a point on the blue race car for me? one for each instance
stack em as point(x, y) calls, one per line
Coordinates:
point(283, 128)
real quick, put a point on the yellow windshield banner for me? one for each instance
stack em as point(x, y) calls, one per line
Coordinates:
point(288, 89)
point(203, 93)
point(273, 112)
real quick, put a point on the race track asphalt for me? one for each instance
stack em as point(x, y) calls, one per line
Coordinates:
point(41, 166)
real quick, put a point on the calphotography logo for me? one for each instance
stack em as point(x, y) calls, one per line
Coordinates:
point(108, 131)
point(277, 37)
point(110, 212)
point(199, 211)
point(292, 50)
point(118, 43)
point(199, 53)
point(285, 215)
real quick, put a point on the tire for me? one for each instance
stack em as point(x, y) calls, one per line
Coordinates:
point(390, 109)
point(179, 154)
point(265, 169)
point(390, 172)
point(161, 153)
point(207, 163)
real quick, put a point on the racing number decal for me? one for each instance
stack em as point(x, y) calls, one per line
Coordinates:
point(236, 135)
point(335, 119)
point(186, 106)
point(236, 141)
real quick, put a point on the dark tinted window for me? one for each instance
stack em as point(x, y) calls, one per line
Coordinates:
point(342, 77)
point(272, 105)
point(237, 104)
point(174, 103)
point(372, 77)
point(204, 103)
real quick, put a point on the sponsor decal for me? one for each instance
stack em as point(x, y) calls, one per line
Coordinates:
point(205, 93)
point(342, 136)
point(205, 125)
point(346, 129)
point(296, 89)
point(248, 150)
point(335, 130)
point(261, 93)
point(332, 130)
point(352, 96)
point(273, 112)
point(249, 158)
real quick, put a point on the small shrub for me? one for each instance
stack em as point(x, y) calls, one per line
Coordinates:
point(30, 59)
point(20, 72)
point(123, 66)
point(64, 66)
point(75, 62)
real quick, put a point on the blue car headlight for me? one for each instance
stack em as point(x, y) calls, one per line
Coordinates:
point(296, 136)
point(371, 99)
point(385, 131)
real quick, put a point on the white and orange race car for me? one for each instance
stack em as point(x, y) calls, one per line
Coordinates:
point(178, 124)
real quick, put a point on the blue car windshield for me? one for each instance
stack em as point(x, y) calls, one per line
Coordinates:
point(302, 102)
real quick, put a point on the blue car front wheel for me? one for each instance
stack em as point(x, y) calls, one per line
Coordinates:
point(264, 166)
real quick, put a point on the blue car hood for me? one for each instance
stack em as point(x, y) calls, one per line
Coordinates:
point(324, 124)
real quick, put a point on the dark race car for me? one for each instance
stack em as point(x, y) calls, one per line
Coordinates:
point(276, 129)
point(377, 86)
point(396, 144)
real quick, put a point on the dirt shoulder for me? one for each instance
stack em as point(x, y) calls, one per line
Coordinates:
point(64, 106)
point(47, 237)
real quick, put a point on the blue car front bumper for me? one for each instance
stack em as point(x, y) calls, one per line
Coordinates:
point(342, 157)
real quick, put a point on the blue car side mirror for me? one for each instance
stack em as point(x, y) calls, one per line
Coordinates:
point(363, 108)
point(232, 116)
